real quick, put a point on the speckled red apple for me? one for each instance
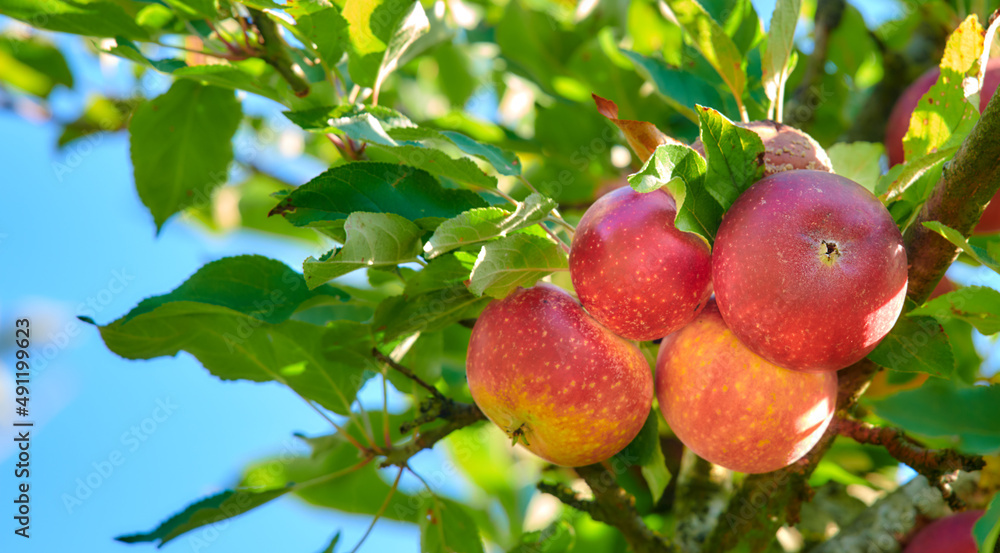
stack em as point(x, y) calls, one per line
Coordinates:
point(899, 123)
point(951, 534)
point(734, 408)
point(555, 380)
point(809, 270)
point(633, 270)
point(786, 148)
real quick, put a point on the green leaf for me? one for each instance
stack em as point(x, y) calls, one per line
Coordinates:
point(371, 24)
point(411, 27)
point(916, 344)
point(779, 49)
point(194, 9)
point(711, 41)
point(735, 156)
point(373, 187)
point(558, 537)
point(252, 75)
point(486, 223)
point(424, 359)
point(986, 531)
point(101, 115)
point(535, 43)
point(977, 305)
point(505, 162)
point(682, 171)
point(360, 491)
point(858, 161)
point(332, 546)
point(448, 528)
point(979, 254)
point(33, 65)
point(900, 177)
point(942, 408)
point(943, 112)
point(438, 163)
point(395, 135)
point(442, 272)
point(327, 29)
point(358, 121)
point(683, 91)
point(322, 364)
point(644, 450)
point(181, 145)
point(516, 260)
point(373, 240)
point(81, 17)
point(210, 510)
point(254, 285)
point(430, 311)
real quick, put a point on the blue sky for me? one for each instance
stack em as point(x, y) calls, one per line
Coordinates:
point(83, 234)
point(86, 236)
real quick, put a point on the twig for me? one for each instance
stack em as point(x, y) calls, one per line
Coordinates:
point(897, 514)
point(461, 415)
point(381, 510)
point(410, 374)
point(611, 505)
point(938, 465)
point(275, 53)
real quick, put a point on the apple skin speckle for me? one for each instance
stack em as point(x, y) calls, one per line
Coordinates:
point(734, 408)
point(541, 368)
point(809, 270)
point(633, 270)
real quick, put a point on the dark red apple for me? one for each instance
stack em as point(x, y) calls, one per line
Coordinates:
point(633, 270)
point(809, 270)
point(734, 408)
point(951, 534)
point(899, 123)
point(553, 378)
point(786, 148)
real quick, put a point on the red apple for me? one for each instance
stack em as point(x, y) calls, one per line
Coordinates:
point(786, 148)
point(951, 534)
point(553, 378)
point(633, 270)
point(899, 123)
point(809, 270)
point(734, 408)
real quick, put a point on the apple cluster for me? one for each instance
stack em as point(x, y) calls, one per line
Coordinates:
point(806, 275)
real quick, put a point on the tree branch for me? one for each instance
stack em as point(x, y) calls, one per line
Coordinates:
point(703, 490)
point(967, 183)
point(459, 416)
point(275, 53)
point(937, 465)
point(410, 374)
point(611, 505)
point(896, 515)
